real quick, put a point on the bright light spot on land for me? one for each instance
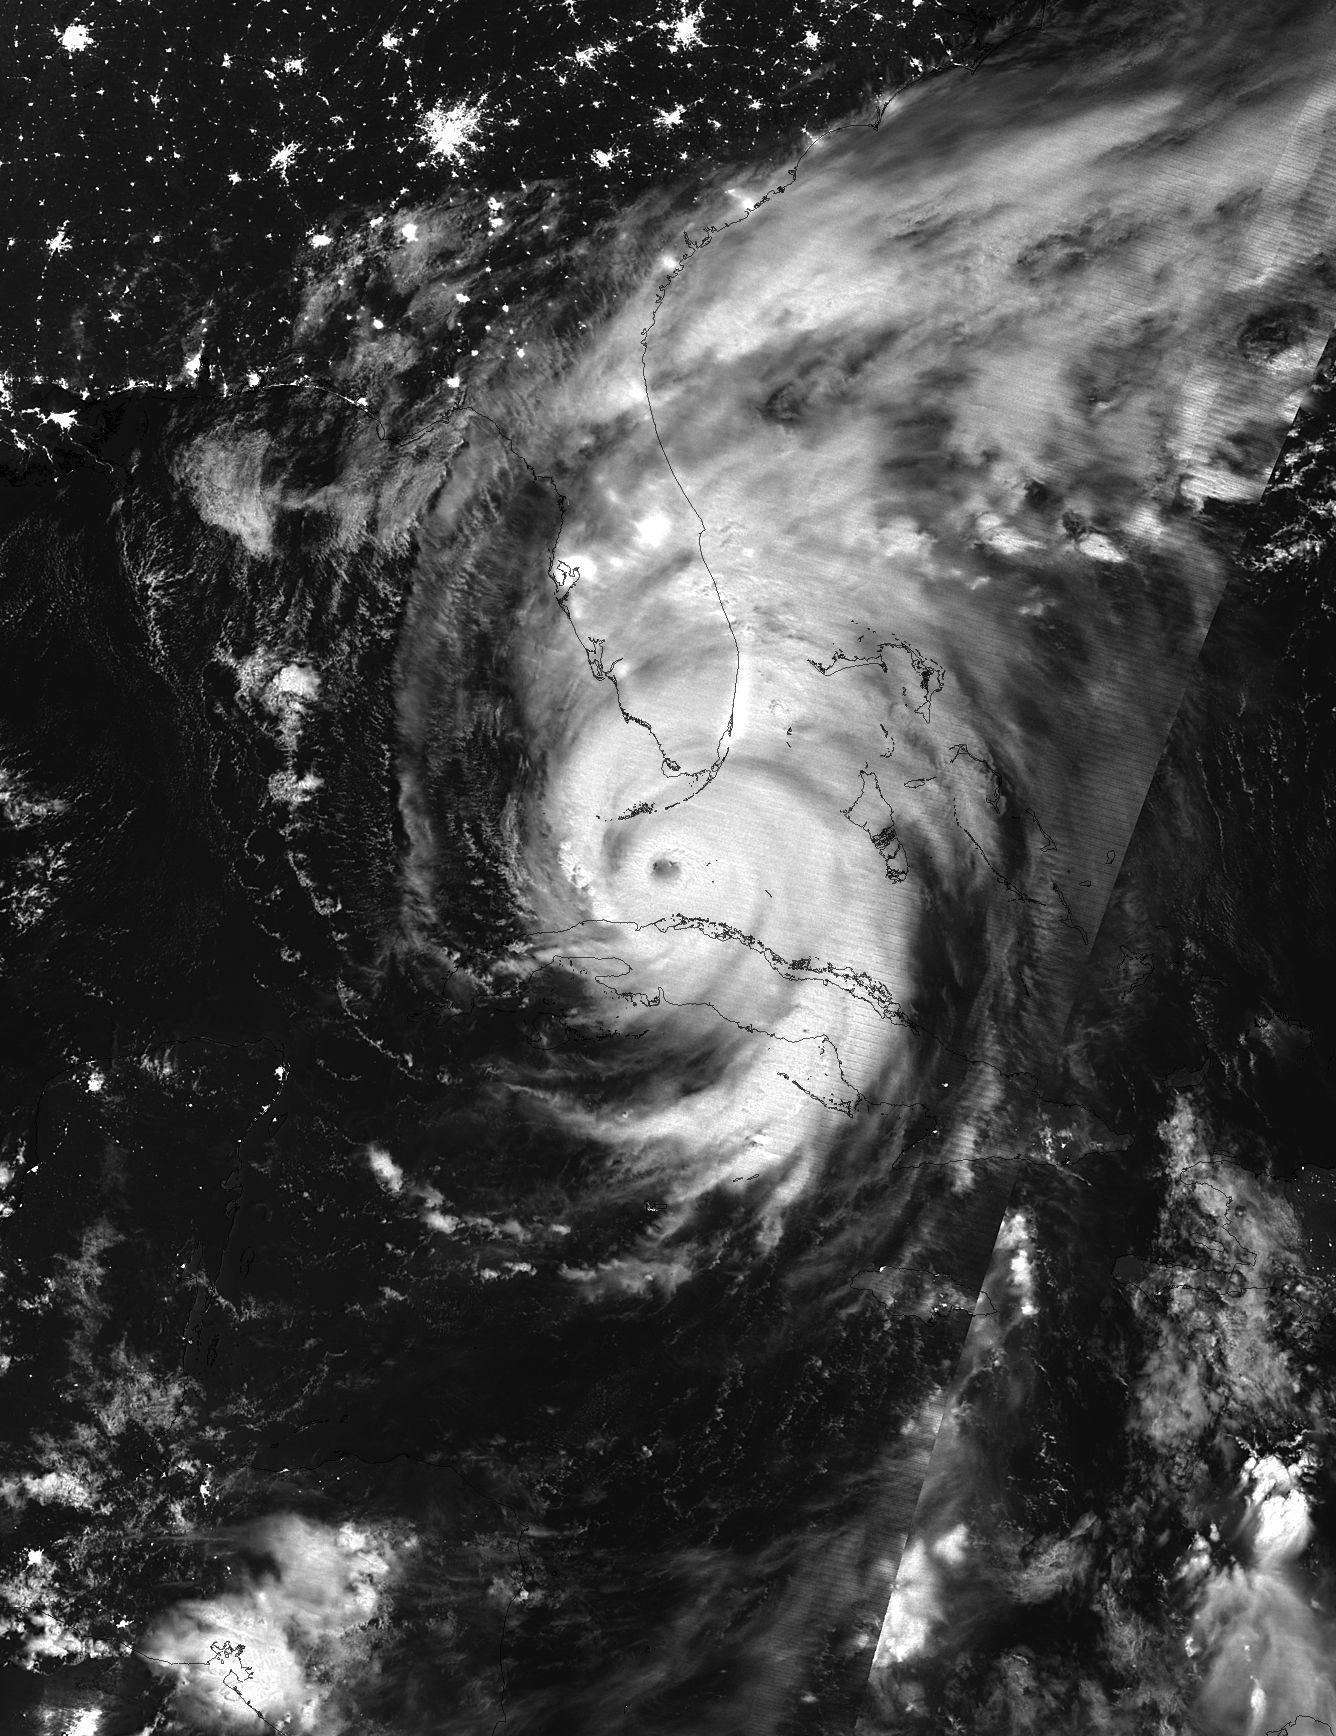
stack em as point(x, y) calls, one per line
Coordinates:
point(294, 64)
point(449, 131)
point(282, 157)
point(409, 231)
point(390, 40)
point(322, 240)
point(687, 30)
point(669, 117)
point(74, 38)
point(59, 242)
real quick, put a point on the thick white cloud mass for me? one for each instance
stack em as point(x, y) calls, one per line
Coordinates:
point(268, 1648)
point(838, 572)
point(881, 568)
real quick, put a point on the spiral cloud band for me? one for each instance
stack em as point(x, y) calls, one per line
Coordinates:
point(793, 622)
point(879, 561)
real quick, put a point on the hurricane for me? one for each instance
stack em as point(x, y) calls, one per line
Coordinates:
point(669, 944)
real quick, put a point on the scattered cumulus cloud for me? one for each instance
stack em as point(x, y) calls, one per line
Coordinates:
point(911, 1611)
point(385, 1169)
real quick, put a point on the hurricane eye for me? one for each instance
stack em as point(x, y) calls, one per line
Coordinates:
point(664, 868)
